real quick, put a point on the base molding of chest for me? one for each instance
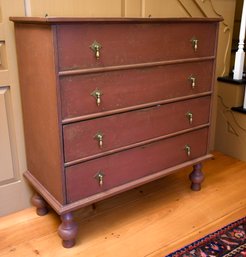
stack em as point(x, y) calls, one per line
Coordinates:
point(65, 208)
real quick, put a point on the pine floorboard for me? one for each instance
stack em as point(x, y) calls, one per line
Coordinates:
point(149, 221)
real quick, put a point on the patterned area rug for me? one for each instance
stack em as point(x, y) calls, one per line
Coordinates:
point(230, 241)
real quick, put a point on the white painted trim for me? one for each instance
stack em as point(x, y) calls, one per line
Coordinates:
point(28, 9)
point(239, 60)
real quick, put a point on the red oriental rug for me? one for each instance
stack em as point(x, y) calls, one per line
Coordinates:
point(230, 241)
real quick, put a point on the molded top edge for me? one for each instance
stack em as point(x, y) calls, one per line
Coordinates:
point(56, 20)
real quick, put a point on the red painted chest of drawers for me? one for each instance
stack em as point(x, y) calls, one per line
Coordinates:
point(111, 104)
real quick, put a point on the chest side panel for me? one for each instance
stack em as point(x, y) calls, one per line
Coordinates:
point(39, 102)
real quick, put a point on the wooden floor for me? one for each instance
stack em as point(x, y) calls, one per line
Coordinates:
point(148, 221)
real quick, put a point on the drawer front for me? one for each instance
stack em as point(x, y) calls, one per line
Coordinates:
point(127, 88)
point(123, 44)
point(117, 169)
point(91, 137)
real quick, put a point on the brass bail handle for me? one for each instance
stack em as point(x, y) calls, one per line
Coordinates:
point(98, 96)
point(96, 47)
point(194, 42)
point(99, 137)
point(188, 150)
point(189, 115)
point(100, 176)
point(193, 81)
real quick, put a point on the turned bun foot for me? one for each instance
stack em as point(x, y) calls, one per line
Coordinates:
point(40, 204)
point(196, 177)
point(68, 230)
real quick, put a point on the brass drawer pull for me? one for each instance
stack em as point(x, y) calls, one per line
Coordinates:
point(95, 46)
point(97, 94)
point(193, 81)
point(188, 150)
point(99, 137)
point(189, 115)
point(194, 42)
point(99, 176)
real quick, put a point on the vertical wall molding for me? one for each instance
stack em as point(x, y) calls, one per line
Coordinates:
point(143, 8)
point(123, 8)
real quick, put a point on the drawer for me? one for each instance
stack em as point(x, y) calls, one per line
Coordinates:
point(127, 88)
point(145, 42)
point(120, 168)
point(91, 137)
